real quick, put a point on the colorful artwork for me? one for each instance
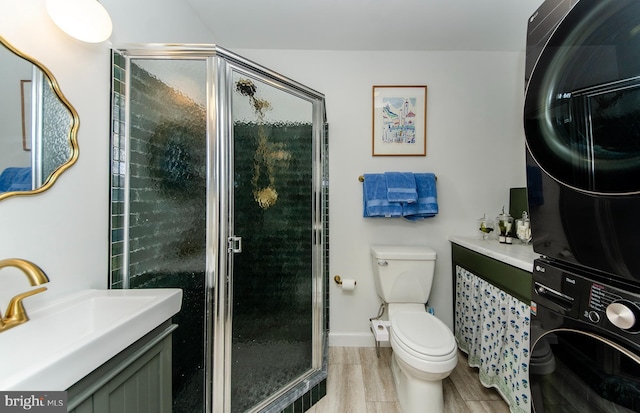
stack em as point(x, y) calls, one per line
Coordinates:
point(399, 120)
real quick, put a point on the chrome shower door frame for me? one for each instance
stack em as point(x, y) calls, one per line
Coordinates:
point(223, 317)
point(221, 65)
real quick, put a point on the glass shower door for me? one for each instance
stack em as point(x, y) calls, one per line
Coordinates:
point(219, 188)
point(273, 218)
point(159, 200)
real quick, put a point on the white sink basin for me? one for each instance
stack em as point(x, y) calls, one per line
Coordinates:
point(70, 337)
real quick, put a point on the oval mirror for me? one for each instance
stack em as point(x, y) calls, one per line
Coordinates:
point(38, 126)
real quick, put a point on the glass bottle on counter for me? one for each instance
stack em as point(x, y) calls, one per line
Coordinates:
point(485, 226)
point(504, 223)
point(523, 228)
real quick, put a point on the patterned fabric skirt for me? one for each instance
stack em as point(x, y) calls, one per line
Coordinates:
point(492, 327)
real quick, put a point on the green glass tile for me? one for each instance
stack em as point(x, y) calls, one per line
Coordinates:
point(289, 409)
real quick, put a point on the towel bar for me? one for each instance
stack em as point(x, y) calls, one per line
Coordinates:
point(361, 178)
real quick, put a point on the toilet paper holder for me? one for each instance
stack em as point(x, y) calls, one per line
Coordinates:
point(338, 280)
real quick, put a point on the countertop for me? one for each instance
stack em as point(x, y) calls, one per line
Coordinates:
point(515, 254)
point(69, 337)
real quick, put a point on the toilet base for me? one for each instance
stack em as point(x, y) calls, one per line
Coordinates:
point(415, 395)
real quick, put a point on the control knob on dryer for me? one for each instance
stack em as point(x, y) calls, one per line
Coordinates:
point(624, 315)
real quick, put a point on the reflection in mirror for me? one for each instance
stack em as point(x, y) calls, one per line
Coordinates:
point(38, 126)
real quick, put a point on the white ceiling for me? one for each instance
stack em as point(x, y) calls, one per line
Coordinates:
point(368, 24)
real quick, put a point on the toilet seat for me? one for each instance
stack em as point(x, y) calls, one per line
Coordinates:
point(423, 336)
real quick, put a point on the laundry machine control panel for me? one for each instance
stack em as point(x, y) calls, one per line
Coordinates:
point(589, 300)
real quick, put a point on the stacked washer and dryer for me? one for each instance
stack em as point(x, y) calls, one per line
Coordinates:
point(582, 126)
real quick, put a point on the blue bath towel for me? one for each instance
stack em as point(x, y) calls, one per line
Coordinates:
point(375, 202)
point(427, 204)
point(401, 187)
point(15, 179)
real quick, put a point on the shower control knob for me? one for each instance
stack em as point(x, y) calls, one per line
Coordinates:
point(623, 314)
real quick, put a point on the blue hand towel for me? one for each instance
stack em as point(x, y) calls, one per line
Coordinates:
point(376, 204)
point(427, 204)
point(401, 187)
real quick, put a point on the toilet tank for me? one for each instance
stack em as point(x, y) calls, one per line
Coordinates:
point(403, 274)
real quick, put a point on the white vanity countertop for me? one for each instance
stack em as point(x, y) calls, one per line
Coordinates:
point(515, 254)
point(70, 337)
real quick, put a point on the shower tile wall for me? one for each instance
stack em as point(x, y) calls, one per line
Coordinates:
point(118, 166)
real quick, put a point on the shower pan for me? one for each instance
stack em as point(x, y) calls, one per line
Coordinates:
point(219, 187)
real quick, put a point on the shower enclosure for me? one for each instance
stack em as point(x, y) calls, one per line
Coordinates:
point(219, 187)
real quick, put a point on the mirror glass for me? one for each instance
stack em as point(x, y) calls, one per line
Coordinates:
point(38, 126)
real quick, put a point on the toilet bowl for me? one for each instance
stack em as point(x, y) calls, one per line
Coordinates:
point(424, 348)
point(424, 353)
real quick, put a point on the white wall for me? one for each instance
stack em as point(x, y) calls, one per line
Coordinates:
point(474, 145)
point(66, 229)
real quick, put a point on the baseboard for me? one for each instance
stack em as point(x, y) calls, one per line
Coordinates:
point(353, 340)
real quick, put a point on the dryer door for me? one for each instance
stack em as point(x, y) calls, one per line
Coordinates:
point(583, 372)
point(582, 105)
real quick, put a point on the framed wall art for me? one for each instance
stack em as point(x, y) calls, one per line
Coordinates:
point(25, 97)
point(399, 121)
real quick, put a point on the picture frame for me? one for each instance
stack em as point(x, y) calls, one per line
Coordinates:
point(25, 98)
point(399, 121)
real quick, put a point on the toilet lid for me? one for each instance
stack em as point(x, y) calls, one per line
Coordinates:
point(423, 333)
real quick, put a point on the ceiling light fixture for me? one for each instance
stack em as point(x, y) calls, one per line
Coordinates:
point(86, 20)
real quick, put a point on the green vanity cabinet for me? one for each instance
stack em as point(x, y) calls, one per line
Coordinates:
point(137, 380)
point(492, 317)
point(513, 280)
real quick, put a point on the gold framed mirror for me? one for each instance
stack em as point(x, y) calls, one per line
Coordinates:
point(38, 126)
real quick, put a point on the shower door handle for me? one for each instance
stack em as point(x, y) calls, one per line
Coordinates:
point(234, 244)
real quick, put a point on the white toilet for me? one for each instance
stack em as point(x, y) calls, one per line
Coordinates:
point(424, 348)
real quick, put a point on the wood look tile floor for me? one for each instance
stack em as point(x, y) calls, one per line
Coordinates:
point(360, 382)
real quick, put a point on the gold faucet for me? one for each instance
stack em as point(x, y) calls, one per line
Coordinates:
point(16, 314)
